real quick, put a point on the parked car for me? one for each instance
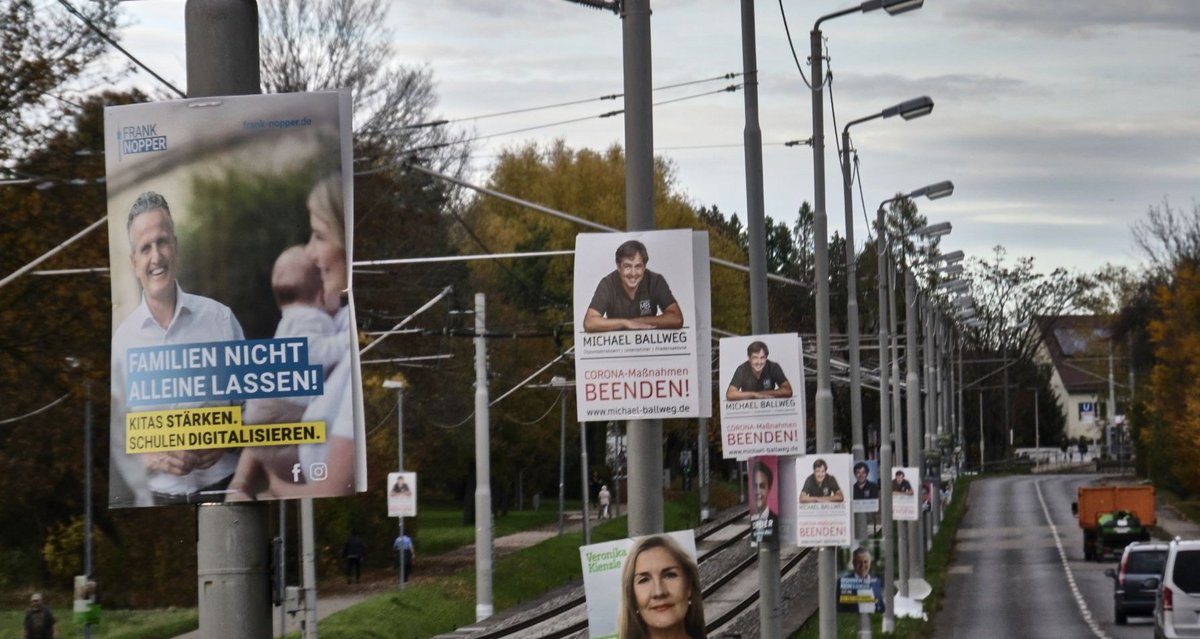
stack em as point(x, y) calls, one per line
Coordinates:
point(1177, 604)
point(1137, 578)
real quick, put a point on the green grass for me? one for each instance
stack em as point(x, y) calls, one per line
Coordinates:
point(448, 603)
point(441, 528)
point(1189, 506)
point(937, 562)
point(114, 624)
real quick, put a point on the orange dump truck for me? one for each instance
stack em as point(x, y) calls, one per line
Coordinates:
point(1113, 516)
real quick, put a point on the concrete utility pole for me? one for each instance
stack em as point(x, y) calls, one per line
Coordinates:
point(232, 550)
point(87, 490)
point(399, 387)
point(702, 467)
point(645, 435)
point(885, 427)
point(913, 382)
point(483, 471)
point(826, 556)
point(769, 615)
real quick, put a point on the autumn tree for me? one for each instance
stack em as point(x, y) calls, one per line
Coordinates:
point(536, 297)
point(45, 54)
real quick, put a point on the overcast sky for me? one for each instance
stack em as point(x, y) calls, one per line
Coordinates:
point(1059, 122)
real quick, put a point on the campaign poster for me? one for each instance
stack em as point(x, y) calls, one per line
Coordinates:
point(402, 494)
point(823, 508)
point(860, 589)
point(235, 372)
point(635, 326)
point(764, 507)
point(607, 576)
point(905, 480)
point(762, 396)
point(865, 492)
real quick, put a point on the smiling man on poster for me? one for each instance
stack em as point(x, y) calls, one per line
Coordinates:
point(636, 352)
point(632, 297)
point(167, 315)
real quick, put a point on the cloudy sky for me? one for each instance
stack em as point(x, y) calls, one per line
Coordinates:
point(1059, 122)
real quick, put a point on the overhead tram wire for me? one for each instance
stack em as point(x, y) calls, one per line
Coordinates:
point(557, 105)
point(791, 46)
point(429, 147)
point(104, 36)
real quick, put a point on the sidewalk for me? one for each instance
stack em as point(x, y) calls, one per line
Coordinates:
point(377, 582)
point(1175, 524)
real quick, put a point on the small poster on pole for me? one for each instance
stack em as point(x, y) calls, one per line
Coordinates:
point(823, 511)
point(904, 494)
point(402, 494)
point(762, 399)
point(866, 487)
point(860, 590)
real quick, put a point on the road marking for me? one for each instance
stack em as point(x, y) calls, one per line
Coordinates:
point(1062, 555)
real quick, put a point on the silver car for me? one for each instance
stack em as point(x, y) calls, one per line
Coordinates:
point(1177, 602)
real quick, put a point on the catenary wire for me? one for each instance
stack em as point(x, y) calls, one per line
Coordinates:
point(118, 47)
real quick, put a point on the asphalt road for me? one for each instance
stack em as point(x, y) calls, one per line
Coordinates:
point(1019, 571)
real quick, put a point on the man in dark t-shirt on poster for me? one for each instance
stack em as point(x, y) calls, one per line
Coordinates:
point(758, 377)
point(821, 486)
point(632, 297)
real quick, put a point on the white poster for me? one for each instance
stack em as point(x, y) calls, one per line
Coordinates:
point(235, 371)
point(823, 508)
point(611, 592)
point(906, 481)
point(635, 326)
point(402, 494)
point(762, 396)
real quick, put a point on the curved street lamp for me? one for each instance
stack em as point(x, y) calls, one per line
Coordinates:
point(886, 296)
point(909, 109)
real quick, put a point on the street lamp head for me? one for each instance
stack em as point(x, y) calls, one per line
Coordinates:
point(894, 7)
point(952, 257)
point(954, 286)
point(910, 109)
point(558, 381)
point(393, 383)
point(934, 191)
point(934, 230)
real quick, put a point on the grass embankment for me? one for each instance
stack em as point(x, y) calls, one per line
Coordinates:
point(115, 624)
point(447, 603)
point(937, 562)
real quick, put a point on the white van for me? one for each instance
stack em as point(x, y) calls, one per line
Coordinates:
point(1177, 602)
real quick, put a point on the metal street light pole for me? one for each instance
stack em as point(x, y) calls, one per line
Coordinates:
point(770, 615)
point(645, 436)
point(908, 110)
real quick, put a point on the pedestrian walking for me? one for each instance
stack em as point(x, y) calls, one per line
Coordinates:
point(605, 498)
point(402, 548)
point(353, 552)
point(39, 621)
